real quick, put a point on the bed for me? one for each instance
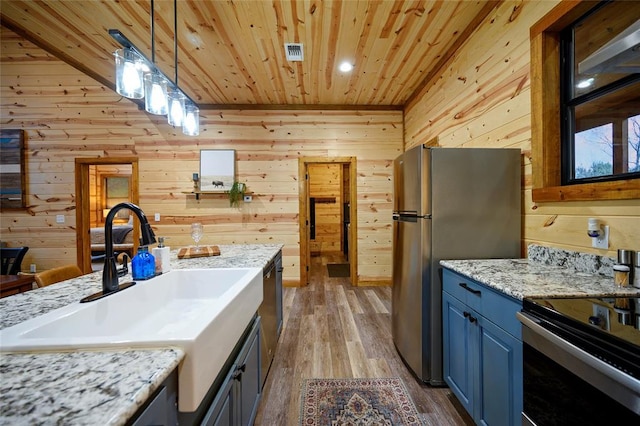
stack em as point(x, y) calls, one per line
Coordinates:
point(122, 241)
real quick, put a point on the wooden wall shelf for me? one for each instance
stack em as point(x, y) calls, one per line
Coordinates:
point(208, 193)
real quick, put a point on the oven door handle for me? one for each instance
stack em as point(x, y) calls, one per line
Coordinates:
point(611, 373)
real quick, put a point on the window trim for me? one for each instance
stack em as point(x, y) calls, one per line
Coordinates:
point(545, 115)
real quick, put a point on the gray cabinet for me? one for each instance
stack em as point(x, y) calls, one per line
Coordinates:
point(482, 350)
point(236, 401)
point(279, 270)
point(234, 395)
point(162, 408)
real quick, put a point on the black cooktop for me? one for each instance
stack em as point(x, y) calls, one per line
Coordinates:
point(605, 327)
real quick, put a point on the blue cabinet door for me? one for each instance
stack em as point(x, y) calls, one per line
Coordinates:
point(482, 350)
point(458, 350)
point(499, 400)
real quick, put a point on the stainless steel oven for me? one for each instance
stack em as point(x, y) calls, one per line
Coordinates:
point(581, 361)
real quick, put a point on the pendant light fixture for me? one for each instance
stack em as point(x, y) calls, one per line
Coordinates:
point(175, 115)
point(155, 94)
point(191, 123)
point(129, 73)
point(155, 85)
point(137, 78)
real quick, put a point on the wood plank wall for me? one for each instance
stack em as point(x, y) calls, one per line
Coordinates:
point(482, 99)
point(325, 186)
point(68, 115)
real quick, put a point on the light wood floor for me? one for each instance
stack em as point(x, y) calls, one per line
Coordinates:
point(334, 330)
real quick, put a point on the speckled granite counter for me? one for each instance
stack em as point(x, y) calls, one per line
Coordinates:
point(520, 278)
point(92, 387)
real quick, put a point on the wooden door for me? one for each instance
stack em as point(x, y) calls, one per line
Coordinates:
point(304, 223)
point(83, 204)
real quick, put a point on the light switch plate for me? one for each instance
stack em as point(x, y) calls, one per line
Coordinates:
point(60, 218)
point(157, 217)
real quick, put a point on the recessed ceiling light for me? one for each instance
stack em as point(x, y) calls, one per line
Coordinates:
point(583, 84)
point(345, 66)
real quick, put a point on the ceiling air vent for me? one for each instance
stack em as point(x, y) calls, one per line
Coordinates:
point(294, 51)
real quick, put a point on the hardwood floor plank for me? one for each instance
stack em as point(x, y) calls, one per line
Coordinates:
point(378, 306)
point(379, 368)
point(358, 359)
point(322, 362)
point(374, 346)
point(348, 324)
point(334, 330)
point(354, 303)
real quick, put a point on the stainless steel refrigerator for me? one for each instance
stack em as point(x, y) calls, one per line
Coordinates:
point(449, 203)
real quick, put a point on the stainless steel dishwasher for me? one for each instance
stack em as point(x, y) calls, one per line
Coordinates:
point(271, 313)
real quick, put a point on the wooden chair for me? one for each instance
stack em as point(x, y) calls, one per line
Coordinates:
point(12, 259)
point(55, 275)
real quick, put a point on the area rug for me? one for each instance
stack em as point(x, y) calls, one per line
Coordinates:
point(356, 402)
point(337, 270)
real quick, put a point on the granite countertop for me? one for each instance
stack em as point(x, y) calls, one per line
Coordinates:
point(520, 278)
point(92, 387)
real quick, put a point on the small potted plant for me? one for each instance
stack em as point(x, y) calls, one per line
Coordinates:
point(236, 193)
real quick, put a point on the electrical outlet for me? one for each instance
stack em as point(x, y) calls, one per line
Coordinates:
point(32, 268)
point(247, 198)
point(602, 312)
point(157, 217)
point(601, 242)
point(60, 218)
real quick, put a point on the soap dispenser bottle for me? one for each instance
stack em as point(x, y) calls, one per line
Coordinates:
point(161, 254)
point(143, 265)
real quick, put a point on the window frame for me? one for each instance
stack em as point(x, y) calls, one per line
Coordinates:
point(546, 127)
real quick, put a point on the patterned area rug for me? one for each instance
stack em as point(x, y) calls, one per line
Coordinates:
point(333, 402)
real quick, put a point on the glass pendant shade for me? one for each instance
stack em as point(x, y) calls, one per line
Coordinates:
point(176, 108)
point(191, 122)
point(155, 94)
point(129, 75)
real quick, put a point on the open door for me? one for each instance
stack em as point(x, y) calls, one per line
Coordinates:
point(90, 204)
point(348, 232)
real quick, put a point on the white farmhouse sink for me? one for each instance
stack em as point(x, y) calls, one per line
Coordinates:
point(202, 311)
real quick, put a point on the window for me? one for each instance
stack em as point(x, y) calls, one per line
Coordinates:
point(600, 94)
point(12, 169)
point(584, 133)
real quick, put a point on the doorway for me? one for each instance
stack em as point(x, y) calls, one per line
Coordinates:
point(100, 184)
point(328, 212)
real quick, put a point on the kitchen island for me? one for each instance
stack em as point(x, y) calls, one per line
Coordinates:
point(93, 387)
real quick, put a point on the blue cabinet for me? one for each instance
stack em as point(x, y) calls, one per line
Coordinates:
point(482, 350)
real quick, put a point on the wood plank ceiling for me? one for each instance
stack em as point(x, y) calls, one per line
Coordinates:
point(231, 53)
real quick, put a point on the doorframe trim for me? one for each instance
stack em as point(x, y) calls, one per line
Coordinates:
point(305, 252)
point(83, 238)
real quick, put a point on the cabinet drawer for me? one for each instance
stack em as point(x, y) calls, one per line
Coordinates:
point(457, 285)
point(501, 310)
point(491, 304)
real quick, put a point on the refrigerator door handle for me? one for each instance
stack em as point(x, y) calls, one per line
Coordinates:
point(411, 216)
